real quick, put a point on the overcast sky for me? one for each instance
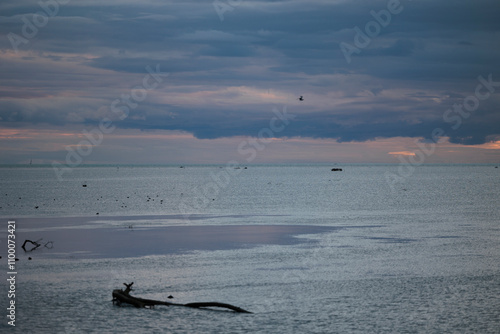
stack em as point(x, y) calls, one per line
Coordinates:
point(192, 81)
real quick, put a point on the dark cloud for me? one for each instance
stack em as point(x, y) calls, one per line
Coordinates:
point(427, 58)
point(400, 48)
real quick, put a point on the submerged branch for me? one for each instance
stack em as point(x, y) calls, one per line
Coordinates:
point(123, 296)
point(35, 245)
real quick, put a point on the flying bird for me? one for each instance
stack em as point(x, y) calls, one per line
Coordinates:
point(301, 98)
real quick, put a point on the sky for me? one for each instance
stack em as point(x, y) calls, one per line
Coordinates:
point(180, 81)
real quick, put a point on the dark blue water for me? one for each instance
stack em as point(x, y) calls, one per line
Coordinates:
point(420, 258)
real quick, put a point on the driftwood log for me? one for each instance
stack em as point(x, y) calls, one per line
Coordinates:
point(123, 296)
point(35, 245)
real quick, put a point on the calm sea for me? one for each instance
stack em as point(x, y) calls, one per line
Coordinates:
point(307, 250)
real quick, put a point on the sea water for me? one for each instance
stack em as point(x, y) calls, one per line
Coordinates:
point(368, 256)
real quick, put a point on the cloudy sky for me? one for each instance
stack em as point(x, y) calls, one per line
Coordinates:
point(180, 81)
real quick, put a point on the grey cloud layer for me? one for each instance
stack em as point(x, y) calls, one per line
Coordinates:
point(424, 61)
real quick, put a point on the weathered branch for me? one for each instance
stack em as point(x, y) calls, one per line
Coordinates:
point(36, 244)
point(123, 296)
point(216, 304)
point(129, 287)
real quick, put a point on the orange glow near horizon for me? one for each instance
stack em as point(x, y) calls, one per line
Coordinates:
point(121, 141)
point(489, 146)
point(405, 153)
